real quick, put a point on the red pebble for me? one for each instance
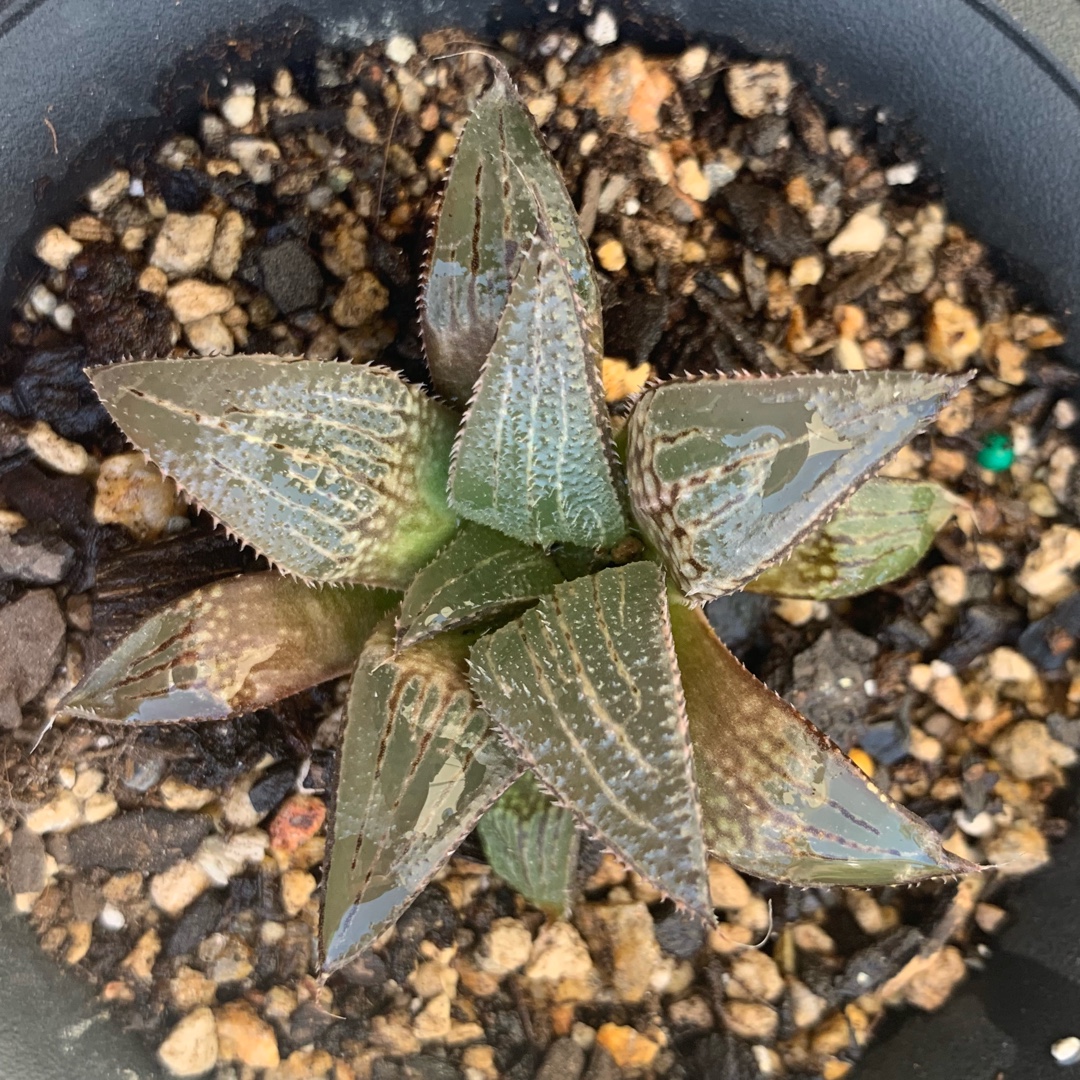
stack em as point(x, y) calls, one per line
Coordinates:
point(298, 820)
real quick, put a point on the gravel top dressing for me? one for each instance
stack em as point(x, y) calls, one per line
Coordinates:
point(734, 228)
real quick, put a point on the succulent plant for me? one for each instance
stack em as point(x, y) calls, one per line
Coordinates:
point(520, 575)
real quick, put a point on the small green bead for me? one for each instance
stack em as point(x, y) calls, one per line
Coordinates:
point(997, 452)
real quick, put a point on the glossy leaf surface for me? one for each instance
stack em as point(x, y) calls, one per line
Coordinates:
point(778, 798)
point(877, 536)
point(532, 844)
point(335, 472)
point(534, 457)
point(480, 574)
point(728, 475)
point(488, 215)
point(229, 648)
point(418, 765)
point(586, 688)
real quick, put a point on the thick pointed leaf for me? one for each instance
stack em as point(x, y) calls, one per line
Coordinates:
point(487, 218)
point(532, 844)
point(877, 536)
point(229, 648)
point(418, 766)
point(585, 686)
point(335, 472)
point(534, 457)
point(479, 575)
point(778, 798)
point(728, 475)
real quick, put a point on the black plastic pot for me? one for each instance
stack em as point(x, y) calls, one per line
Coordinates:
point(998, 106)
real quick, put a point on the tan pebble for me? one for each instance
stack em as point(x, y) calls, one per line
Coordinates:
point(228, 245)
point(873, 918)
point(1007, 665)
point(256, 157)
point(691, 64)
point(542, 107)
point(173, 889)
point(1019, 849)
point(749, 1019)
point(123, 888)
point(99, 807)
point(863, 234)
point(435, 977)
point(56, 249)
point(990, 918)
point(393, 1036)
point(1047, 571)
point(108, 191)
point(807, 1008)
point(833, 1068)
point(87, 783)
point(952, 334)
point(932, 986)
point(58, 453)
point(245, 1038)
point(191, 300)
point(958, 416)
point(833, 1036)
point(727, 888)
point(506, 947)
point(307, 1064)
point(153, 281)
point(179, 796)
point(190, 989)
point(238, 810)
point(11, 521)
point(60, 814)
point(79, 935)
point(691, 180)
point(297, 887)
point(90, 230)
point(131, 492)
point(925, 747)
point(755, 977)
point(210, 336)
point(561, 959)
point(611, 256)
point(806, 270)
point(1011, 363)
point(626, 933)
point(754, 915)
point(433, 1021)
point(1029, 751)
point(238, 109)
point(358, 123)
point(728, 939)
point(809, 937)
point(800, 612)
point(949, 584)
point(610, 872)
point(478, 1063)
point(692, 1012)
point(694, 252)
point(191, 1048)
point(183, 243)
point(759, 88)
point(1041, 500)
point(848, 355)
point(629, 1048)
point(625, 85)
point(362, 297)
point(140, 961)
point(948, 692)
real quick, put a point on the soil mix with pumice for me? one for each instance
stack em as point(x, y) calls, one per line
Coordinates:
point(734, 228)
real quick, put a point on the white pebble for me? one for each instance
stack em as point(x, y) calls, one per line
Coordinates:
point(1065, 412)
point(603, 30)
point(111, 918)
point(64, 317)
point(862, 235)
point(898, 175)
point(44, 302)
point(239, 109)
point(256, 157)
point(1066, 1051)
point(136, 189)
point(400, 49)
point(631, 206)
